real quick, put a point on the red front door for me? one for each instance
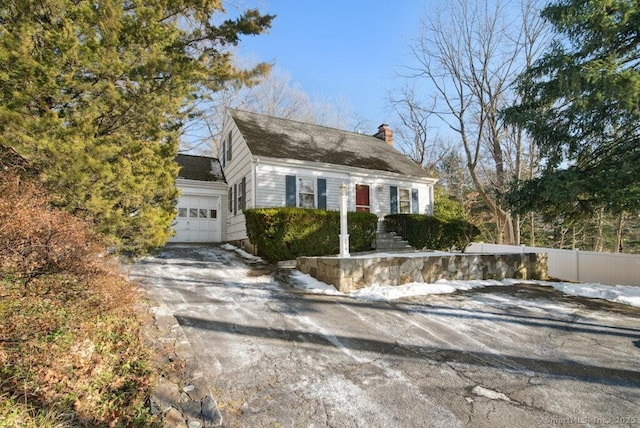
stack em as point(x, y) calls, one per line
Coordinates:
point(362, 198)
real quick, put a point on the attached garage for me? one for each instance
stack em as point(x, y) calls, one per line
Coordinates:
point(198, 219)
point(199, 210)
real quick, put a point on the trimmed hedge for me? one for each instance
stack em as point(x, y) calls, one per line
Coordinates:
point(424, 231)
point(287, 233)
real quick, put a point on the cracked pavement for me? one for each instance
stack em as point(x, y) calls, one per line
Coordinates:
point(275, 355)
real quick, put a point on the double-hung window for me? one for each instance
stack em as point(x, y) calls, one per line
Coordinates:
point(404, 201)
point(306, 192)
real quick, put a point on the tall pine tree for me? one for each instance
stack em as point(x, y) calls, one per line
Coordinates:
point(94, 96)
point(581, 104)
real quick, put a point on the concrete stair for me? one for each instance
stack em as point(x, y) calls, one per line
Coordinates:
point(390, 241)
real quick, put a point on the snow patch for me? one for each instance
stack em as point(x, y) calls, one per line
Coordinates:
point(306, 282)
point(242, 253)
point(490, 394)
point(380, 292)
point(624, 294)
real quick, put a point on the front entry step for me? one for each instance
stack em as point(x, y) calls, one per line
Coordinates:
point(390, 240)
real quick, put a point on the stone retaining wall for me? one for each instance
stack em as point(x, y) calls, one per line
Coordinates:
point(352, 273)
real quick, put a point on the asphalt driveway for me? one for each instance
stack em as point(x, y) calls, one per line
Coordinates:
point(278, 356)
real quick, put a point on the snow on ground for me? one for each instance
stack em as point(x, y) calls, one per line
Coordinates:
point(381, 292)
point(625, 294)
point(241, 252)
point(488, 393)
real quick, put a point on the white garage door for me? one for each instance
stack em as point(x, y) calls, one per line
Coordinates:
point(198, 219)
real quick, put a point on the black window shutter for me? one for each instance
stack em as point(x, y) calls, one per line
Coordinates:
point(235, 198)
point(291, 190)
point(224, 153)
point(230, 199)
point(243, 191)
point(393, 190)
point(322, 193)
point(415, 206)
point(229, 148)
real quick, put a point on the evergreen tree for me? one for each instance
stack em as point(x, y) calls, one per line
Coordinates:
point(94, 95)
point(581, 104)
point(446, 207)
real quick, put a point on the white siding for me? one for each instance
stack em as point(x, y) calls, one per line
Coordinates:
point(271, 186)
point(333, 191)
point(235, 170)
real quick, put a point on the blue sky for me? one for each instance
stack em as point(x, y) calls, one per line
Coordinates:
point(350, 49)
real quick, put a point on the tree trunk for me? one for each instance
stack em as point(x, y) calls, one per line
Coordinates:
point(516, 230)
point(599, 244)
point(619, 221)
point(532, 238)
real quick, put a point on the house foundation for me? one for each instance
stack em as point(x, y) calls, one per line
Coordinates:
point(352, 273)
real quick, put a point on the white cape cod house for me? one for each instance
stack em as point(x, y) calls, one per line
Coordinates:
point(272, 162)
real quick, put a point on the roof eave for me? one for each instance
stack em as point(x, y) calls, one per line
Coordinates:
point(343, 168)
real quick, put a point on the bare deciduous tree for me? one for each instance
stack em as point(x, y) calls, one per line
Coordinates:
point(470, 53)
point(415, 137)
point(276, 95)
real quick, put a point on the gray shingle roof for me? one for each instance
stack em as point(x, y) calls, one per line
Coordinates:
point(200, 168)
point(282, 138)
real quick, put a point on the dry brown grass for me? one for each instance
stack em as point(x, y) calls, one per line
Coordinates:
point(71, 352)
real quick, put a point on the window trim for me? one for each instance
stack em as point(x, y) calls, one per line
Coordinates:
point(299, 179)
point(395, 193)
point(408, 200)
point(292, 190)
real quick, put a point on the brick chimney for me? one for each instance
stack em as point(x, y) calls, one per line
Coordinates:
point(385, 133)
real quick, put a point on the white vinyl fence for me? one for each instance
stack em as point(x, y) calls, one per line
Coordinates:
point(575, 265)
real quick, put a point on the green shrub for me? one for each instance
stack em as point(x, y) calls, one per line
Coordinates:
point(287, 233)
point(420, 231)
point(424, 231)
point(459, 234)
point(446, 208)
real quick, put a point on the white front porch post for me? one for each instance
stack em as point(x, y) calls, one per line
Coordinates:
point(344, 236)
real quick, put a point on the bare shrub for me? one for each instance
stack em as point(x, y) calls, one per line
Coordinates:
point(36, 239)
point(70, 339)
